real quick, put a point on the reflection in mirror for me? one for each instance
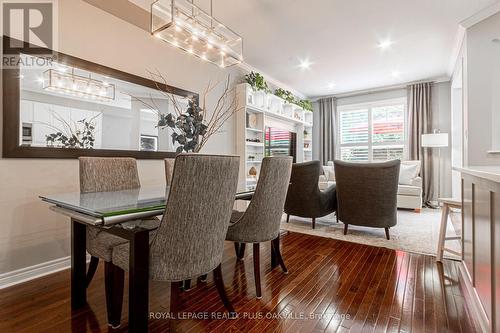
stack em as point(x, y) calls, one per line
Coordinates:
point(66, 107)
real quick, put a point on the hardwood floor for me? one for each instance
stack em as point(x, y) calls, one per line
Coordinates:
point(332, 286)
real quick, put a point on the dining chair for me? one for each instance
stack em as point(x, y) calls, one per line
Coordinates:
point(101, 174)
point(190, 239)
point(260, 222)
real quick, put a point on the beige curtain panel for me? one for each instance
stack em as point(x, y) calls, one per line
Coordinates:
point(327, 125)
point(420, 122)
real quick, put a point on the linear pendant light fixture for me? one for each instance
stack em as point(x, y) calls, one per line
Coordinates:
point(187, 27)
point(76, 85)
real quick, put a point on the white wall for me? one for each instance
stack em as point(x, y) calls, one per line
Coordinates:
point(482, 64)
point(31, 234)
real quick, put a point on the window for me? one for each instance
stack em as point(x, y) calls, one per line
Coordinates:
point(372, 131)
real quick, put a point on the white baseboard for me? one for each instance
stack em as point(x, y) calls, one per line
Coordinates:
point(29, 273)
point(472, 299)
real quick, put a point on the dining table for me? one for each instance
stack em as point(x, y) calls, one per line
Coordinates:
point(124, 214)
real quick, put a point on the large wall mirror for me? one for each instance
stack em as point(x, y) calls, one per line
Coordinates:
point(68, 107)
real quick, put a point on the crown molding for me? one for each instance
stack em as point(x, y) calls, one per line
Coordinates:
point(480, 16)
point(440, 79)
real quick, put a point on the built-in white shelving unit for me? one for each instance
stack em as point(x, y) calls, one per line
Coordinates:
point(258, 110)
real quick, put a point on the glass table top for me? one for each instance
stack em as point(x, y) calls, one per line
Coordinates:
point(108, 204)
point(105, 204)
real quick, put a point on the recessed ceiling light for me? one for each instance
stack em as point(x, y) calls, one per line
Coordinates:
point(305, 64)
point(395, 74)
point(385, 44)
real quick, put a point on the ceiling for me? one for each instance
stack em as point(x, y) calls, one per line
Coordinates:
point(340, 38)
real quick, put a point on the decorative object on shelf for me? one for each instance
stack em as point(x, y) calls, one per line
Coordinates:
point(184, 25)
point(252, 172)
point(80, 134)
point(306, 145)
point(76, 85)
point(252, 120)
point(191, 128)
point(257, 82)
point(251, 157)
point(256, 140)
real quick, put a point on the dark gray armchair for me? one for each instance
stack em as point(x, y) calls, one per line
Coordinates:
point(304, 198)
point(367, 194)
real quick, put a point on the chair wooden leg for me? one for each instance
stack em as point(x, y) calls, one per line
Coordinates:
point(175, 288)
point(219, 282)
point(442, 232)
point(337, 216)
point(274, 260)
point(186, 285)
point(387, 234)
point(346, 226)
point(94, 262)
point(287, 218)
point(276, 249)
point(114, 278)
point(314, 222)
point(242, 251)
point(237, 249)
point(256, 269)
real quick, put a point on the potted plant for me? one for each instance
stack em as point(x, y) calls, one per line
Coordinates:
point(193, 126)
point(289, 101)
point(259, 88)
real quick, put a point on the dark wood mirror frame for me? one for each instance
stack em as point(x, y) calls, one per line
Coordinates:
point(11, 107)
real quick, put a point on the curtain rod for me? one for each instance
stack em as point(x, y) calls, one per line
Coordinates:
point(380, 89)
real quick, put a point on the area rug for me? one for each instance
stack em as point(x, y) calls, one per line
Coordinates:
point(414, 232)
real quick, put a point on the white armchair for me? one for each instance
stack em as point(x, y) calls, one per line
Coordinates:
point(410, 186)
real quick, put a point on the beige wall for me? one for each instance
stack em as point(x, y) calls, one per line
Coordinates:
point(31, 234)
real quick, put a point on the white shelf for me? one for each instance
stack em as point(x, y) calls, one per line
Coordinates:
point(256, 162)
point(251, 180)
point(254, 144)
point(308, 124)
point(254, 130)
point(307, 150)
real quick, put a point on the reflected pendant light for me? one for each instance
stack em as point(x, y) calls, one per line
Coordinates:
point(76, 85)
point(185, 26)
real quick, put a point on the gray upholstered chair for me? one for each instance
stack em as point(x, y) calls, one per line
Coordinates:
point(367, 194)
point(304, 197)
point(261, 220)
point(190, 239)
point(101, 174)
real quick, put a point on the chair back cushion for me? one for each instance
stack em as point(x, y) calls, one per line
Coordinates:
point(367, 193)
point(190, 239)
point(104, 174)
point(261, 221)
point(407, 173)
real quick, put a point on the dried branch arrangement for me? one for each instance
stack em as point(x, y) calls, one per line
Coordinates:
point(193, 125)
